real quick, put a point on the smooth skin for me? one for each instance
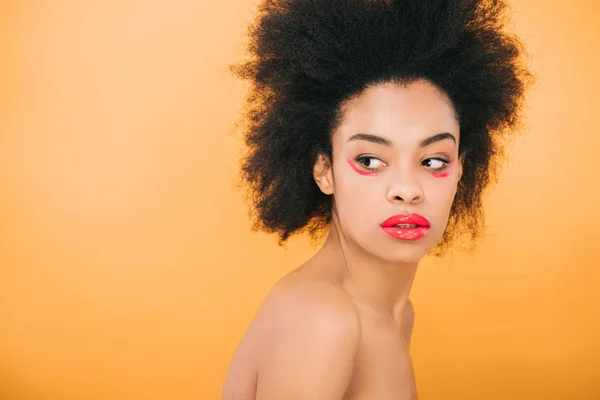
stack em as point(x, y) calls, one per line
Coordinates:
point(339, 326)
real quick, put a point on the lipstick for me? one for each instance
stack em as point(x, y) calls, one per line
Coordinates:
point(406, 226)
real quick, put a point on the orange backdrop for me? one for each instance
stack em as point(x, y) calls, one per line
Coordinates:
point(127, 266)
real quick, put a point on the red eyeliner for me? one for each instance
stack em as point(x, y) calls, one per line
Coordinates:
point(354, 167)
point(446, 173)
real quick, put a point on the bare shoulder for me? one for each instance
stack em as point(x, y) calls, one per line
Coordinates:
point(310, 305)
point(313, 299)
point(317, 307)
point(303, 333)
point(313, 334)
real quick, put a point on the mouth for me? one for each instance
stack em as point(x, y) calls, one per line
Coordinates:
point(406, 226)
point(405, 221)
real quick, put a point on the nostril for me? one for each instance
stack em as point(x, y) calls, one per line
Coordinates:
point(415, 198)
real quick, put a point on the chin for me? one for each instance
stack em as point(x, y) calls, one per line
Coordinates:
point(402, 252)
point(408, 255)
point(406, 251)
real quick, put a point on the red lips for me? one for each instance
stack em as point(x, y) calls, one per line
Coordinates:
point(421, 229)
point(415, 219)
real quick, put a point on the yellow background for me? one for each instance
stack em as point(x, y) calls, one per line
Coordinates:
point(127, 266)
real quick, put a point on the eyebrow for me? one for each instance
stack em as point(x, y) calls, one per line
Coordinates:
point(381, 140)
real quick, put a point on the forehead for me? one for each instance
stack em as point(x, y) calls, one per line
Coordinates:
point(399, 113)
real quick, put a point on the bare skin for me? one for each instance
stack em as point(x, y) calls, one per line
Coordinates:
point(381, 366)
point(339, 326)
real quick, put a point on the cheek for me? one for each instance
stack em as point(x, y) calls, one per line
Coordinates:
point(357, 200)
point(353, 186)
point(440, 194)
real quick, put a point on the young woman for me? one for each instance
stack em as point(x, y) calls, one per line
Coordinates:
point(376, 124)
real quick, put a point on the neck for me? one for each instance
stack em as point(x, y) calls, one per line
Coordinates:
point(381, 285)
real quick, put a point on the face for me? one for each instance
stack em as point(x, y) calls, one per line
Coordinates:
point(396, 152)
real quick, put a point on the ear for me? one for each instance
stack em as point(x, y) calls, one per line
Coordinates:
point(461, 160)
point(323, 174)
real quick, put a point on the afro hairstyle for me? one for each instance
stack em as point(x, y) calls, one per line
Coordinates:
point(305, 58)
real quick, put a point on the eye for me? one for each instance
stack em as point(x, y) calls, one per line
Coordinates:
point(370, 163)
point(436, 164)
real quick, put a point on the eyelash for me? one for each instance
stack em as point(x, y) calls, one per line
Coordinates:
point(436, 170)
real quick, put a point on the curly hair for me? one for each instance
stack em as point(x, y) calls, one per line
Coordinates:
point(308, 57)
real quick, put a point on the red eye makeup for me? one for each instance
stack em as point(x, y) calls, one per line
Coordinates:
point(360, 171)
point(445, 173)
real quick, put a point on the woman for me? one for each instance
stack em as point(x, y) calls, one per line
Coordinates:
point(377, 123)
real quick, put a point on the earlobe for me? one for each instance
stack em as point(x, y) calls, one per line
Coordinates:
point(322, 174)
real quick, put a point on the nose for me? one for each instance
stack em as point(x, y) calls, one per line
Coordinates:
point(404, 188)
